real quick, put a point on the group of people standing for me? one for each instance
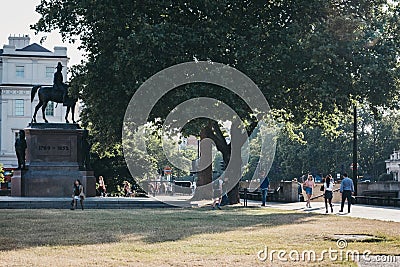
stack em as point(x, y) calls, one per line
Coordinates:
point(327, 187)
point(346, 190)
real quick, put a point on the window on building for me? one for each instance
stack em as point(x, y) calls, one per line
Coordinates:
point(50, 109)
point(19, 107)
point(20, 71)
point(49, 72)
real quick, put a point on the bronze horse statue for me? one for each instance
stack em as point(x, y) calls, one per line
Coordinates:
point(48, 93)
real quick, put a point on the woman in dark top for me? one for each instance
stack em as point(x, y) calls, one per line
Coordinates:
point(328, 192)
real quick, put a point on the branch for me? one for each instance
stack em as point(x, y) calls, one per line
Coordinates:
point(238, 133)
point(220, 143)
point(217, 131)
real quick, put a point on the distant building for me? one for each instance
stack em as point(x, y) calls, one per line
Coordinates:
point(192, 141)
point(23, 65)
point(393, 165)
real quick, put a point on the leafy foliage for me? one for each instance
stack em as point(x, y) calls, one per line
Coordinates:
point(312, 59)
point(322, 154)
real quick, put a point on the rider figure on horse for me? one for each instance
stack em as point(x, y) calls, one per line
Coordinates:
point(58, 83)
point(58, 93)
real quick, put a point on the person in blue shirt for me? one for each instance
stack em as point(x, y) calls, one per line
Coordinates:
point(264, 188)
point(299, 190)
point(346, 189)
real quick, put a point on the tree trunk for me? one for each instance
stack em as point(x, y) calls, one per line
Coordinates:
point(233, 195)
point(231, 153)
point(205, 166)
point(238, 137)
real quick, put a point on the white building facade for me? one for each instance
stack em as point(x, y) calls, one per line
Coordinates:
point(393, 165)
point(23, 65)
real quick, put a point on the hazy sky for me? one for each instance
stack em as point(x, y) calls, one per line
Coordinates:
point(16, 17)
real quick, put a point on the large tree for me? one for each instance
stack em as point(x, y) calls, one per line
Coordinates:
point(312, 59)
point(320, 153)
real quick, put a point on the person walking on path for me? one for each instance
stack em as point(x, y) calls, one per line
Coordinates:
point(346, 189)
point(77, 194)
point(308, 187)
point(328, 192)
point(264, 188)
point(299, 190)
point(217, 193)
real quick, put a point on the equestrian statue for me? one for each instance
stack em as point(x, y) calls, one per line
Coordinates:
point(57, 93)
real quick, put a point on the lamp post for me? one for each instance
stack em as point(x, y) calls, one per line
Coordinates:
point(355, 164)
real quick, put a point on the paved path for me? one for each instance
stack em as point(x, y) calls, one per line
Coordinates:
point(358, 211)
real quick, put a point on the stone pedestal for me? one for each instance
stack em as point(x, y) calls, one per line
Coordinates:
point(16, 185)
point(54, 160)
point(288, 191)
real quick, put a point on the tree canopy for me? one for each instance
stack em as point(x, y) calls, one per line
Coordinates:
point(312, 59)
point(320, 154)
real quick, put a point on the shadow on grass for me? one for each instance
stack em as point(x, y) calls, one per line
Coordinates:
point(31, 228)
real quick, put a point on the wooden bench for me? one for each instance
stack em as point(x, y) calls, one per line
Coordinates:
point(256, 195)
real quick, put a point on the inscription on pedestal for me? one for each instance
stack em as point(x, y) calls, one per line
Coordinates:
point(53, 148)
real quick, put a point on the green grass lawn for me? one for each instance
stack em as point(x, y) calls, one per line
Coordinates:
point(177, 237)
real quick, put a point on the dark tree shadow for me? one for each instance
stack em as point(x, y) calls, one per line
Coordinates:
point(31, 228)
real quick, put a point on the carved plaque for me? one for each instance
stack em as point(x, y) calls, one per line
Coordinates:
point(53, 148)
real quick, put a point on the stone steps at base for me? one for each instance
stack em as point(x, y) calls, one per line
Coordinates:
point(88, 204)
